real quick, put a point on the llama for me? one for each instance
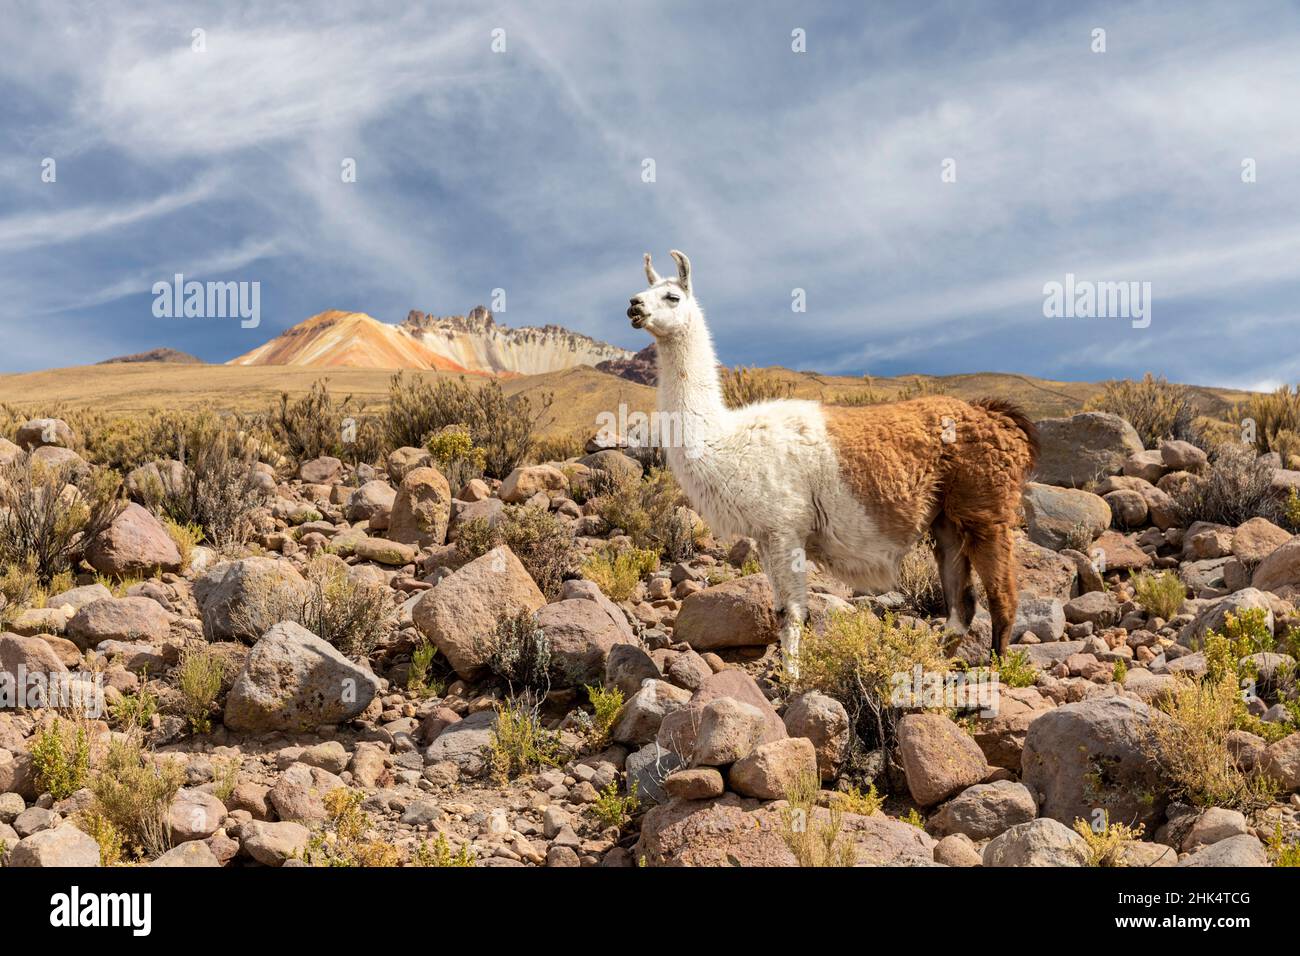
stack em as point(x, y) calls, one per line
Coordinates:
point(853, 488)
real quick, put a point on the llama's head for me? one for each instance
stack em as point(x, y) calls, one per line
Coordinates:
point(667, 307)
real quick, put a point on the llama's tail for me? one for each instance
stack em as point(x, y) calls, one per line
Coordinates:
point(1000, 406)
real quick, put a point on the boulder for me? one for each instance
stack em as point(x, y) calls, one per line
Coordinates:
point(194, 815)
point(1041, 571)
point(1041, 842)
point(294, 681)
point(464, 743)
point(1280, 569)
point(225, 593)
point(124, 619)
point(42, 432)
point(405, 459)
point(1213, 616)
point(459, 614)
point(1182, 456)
point(189, 854)
point(628, 667)
point(1042, 617)
point(649, 769)
point(643, 713)
point(1241, 850)
point(1256, 539)
point(299, 794)
point(938, 757)
point(769, 770)
point(421, 508)
point(271, 844)
point(825, 722)
point(383, 551)
point(60, 846)
point(373, 503)
point(736, 613)
point(1062, 517)
point(1076, 450)
point(985, 810)
point(528, 480)
point(728, 730)
point(321, 471)
point(1091, 755)
point(678, 731)
point(31, 655)
point(1281, 761)
point(581, 636)
point(699, 783)
point(134, 543)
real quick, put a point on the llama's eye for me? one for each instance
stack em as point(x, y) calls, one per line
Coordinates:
point(671, 297)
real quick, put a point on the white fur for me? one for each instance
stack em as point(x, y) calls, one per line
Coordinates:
point(767, 471)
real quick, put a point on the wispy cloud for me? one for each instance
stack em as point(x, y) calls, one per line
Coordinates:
point(522, 169)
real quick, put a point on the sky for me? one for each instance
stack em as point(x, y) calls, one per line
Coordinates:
point(915, 175)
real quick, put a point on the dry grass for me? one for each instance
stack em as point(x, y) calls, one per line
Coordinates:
point(813, 838)
point(1154, 407)
point(1191, 747)
point(1160, 593)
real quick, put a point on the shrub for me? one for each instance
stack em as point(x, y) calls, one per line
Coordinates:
point(136, 710)
point(1015, 670)
point(617, 573)
point(562, 446)
point(61, 758)
point(520, 744)
point(606, 703)
point(341, 841)
point(856, 658)
point(745, 386)
point(220, 491)
point(1106, 843)
point(1277, 420)
point(225, 777)
point(650, 512)
point(519, 653)
point(438, 853)
point(1236, 488)
point(1161, 594)
point(185, 536)
point(198, 678)
point(315, 425)
point(456, 456)
point(1291, 511)
point(20, 589)
point(813, 839)
point(1282, 852)
point(417, 675)
point(353, 615)
point(854, 800)
point(48, 513)
point(542, 542)
point(918, 580)
point(1154, 407)
point(611, 809)
point(1191, 748)
point(134, 792)
point(502, 426)
point(99, 828)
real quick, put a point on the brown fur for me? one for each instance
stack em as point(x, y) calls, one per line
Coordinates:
point(966, 491)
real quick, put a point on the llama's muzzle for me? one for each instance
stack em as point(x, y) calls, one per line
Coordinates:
point(637, 315)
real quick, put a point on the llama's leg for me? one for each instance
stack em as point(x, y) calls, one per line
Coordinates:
point(785, 563)
point(954, 574)
point(990, 552)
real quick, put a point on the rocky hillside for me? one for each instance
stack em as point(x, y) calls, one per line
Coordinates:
point(476, 341)
point(346, 340)
point(563, 668)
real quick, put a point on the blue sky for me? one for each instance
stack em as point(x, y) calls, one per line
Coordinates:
point(775, 170)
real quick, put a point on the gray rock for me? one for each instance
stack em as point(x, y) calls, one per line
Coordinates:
point(1041, 842)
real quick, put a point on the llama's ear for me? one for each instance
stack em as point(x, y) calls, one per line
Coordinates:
point(650, 273)
point(683, 269)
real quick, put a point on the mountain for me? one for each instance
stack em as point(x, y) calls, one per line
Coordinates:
point(642, 367)
point(337, 339)
point(156, 355)
point(469, 343)
point(477, 342)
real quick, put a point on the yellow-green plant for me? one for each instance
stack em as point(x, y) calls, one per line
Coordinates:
point(617, 573)
point(341, 840)
point(198, 678)
point(606, 702)
point(1015, 670)
point(60, 757)
point(613, 809)
point(520, 744)
point(812, 838)
point(134, 791)
point(746, 386)
point(1154, 407)
point(437, 852)
point(1161, 593)
point(1106, 843)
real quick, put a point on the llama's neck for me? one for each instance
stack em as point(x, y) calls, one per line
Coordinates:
point(689, 385)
